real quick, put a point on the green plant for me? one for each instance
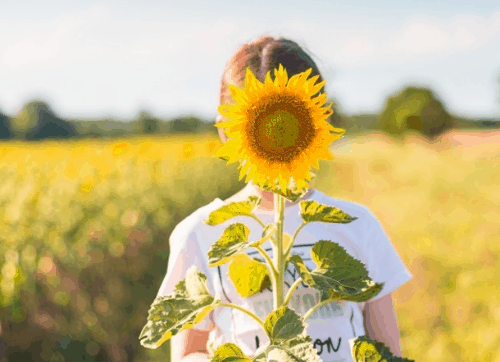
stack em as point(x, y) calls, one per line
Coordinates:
point(281, 119)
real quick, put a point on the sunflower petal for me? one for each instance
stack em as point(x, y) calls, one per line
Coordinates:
point(292, 82)
point(315, 88)
point(227, 124)
point(244, 170)
point(320, 100)
point(249, 80)
point(227, 110)
point(281, 77)
point(238, 94)
point(283, 183)
point(268, 79)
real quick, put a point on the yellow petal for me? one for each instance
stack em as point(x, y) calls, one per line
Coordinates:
point(243, 170)
point(281, 77)
point(227, 110)
point(313, 89)
point(283, 183)
point(227, 124)
point(249, 79)
point(320, 100)
point(268, 79)
point(238, 94)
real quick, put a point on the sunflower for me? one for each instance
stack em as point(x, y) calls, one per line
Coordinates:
point(277, 129)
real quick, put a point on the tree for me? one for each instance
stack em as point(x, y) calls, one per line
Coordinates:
point(414, 109)
point(185, 125)
point(148, 124)
point(37, 121)
point(5, 131)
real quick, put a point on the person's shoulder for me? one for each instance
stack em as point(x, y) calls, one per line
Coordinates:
point(350, 207)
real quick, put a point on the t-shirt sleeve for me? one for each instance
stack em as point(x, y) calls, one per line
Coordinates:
point(383, 262)
point(185, 252)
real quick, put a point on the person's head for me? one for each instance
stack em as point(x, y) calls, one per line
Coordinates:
point(261, 56)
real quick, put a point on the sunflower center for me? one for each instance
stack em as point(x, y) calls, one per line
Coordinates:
point(278, 130)
point(280, 127)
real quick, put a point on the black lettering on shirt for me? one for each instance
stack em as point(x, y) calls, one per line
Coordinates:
point(328, 343)
point(257, 344)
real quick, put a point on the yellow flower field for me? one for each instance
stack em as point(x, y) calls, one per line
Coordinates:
point(439, 205)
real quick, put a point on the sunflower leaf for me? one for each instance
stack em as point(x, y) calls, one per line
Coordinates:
point(292, 192)
point(249, 276)
point(299, 349)
point(229, 352)
point(226, 212)
point(338, 275)
point(364, 349)
point(283, 324)
point(313, 211)
point(233, 241)
point(187, 306)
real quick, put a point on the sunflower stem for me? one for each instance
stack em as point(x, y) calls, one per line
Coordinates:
point(247, 312)
point(290, 292)
point(287, 251)
point(311, 311)
point(255, 217)
point(269, 262)
point(279, 262)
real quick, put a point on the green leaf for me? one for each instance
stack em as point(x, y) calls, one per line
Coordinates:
point(283, 324)
point(248, 275)
point(364, 349)
point(226, 212)
point(260, 353)
point(297, 349)
point(229, 352)
point(338, 275)
point(313, 211)
point(267, 233)
point(233, 241)
point(187, 306)
point(291, 193)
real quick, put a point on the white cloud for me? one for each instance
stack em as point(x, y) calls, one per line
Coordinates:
point(96, 60)
point(418, 38)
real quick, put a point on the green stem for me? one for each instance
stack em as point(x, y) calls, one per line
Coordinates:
point(316, 307)
point(247, 312)
point(279, 260)
point(304, 223)
point(268, 260)
point(258, 220)
point(290, 292)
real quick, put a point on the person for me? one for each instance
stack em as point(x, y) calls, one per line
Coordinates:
point(332, 325)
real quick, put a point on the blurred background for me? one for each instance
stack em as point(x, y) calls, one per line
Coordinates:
point(107, 142)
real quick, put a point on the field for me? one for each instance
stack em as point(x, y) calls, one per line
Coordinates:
point(84, 228)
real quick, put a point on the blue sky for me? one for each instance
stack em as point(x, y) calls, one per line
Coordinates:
point(97, 59)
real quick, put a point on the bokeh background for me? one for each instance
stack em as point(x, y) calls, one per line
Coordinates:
point(107, 142)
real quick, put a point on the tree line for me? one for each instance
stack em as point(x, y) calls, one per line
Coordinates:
point(417, 109)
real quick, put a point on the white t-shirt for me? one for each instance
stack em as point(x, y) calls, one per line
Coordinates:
point(331, 326)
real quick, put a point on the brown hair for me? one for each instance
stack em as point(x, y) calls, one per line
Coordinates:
point(261, 56)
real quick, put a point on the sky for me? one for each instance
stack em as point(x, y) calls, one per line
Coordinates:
point(112, 59)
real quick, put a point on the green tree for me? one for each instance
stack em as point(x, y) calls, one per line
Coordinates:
point(185, 125)
point(5, 131)
point(417, 109)
point(37, 121)
point(147, 123)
